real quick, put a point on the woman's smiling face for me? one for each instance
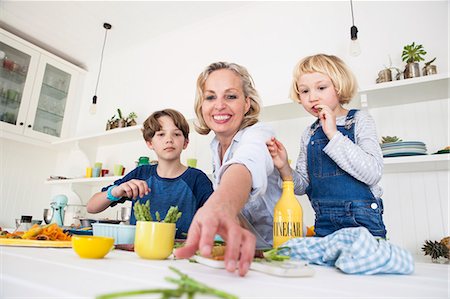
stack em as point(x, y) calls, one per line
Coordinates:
point(224, 104)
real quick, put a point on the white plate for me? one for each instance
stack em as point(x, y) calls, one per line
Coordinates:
point(286, 268)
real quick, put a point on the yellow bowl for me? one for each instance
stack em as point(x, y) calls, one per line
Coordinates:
point(92, 247)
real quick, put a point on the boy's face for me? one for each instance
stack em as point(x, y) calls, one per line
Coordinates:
point(169, 141)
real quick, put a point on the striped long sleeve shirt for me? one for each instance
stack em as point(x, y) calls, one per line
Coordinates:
point(363, 159)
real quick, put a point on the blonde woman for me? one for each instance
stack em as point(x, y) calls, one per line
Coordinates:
point(240, 209)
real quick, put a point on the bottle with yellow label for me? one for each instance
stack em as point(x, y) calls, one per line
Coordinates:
point(287, 216)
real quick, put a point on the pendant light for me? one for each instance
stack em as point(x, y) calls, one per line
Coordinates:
point(355, 48)
point(93, 108)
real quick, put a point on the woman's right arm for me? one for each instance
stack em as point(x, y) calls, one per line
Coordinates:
point(219, 216)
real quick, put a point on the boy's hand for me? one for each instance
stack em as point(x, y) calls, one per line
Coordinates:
point(280, 158)
point(327, 120)
point(131, 189)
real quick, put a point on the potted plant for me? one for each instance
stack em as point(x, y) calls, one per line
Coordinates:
point(131, 119)
point(111, 123)
point(154, 239)
point(412, 55)
point(122, 123)
point(429, 68)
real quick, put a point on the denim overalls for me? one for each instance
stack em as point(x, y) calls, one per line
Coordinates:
point(339, 199)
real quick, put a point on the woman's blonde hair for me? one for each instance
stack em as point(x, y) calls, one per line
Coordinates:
point(250, 118)
point(343, 79)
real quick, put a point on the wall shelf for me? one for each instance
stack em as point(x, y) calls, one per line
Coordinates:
point(85, 181)
point(391, 165)
point(421, 89)
point(417, 163)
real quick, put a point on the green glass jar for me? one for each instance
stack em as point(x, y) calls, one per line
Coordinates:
point(143, 161)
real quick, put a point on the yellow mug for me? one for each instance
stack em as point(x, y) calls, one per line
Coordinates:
point(154, 240)
point(192, 162)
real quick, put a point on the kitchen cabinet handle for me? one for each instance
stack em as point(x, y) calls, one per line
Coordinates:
point(29, 126)
point(21, 123)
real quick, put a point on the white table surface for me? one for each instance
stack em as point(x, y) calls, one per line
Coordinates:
point(59, 273)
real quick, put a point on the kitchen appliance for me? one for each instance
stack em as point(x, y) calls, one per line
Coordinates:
point(47, 215)
point(59, 202)
point(73, 213)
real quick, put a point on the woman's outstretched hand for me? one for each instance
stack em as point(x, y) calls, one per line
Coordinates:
point(214, 219)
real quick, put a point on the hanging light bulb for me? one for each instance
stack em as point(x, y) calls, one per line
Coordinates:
point(93, 107)
point(355, 48)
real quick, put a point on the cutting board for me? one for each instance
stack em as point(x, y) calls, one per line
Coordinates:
point(34, 243)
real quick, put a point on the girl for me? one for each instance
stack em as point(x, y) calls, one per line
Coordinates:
point(340, 161)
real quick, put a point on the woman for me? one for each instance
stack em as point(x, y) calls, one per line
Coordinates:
point(245, 181)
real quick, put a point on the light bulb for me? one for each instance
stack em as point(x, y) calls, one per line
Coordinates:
point(355, 48)
point(93, 107)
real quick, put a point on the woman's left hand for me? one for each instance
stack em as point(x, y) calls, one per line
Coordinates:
point(327, 119)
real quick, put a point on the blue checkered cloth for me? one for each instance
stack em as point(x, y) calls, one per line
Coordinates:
point(352, 250)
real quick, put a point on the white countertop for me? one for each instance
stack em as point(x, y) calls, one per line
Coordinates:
point(59, 273)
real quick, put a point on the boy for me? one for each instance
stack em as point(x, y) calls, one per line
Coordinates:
point(169, 183)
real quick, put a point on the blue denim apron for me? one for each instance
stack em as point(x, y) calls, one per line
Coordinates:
point(339, 199)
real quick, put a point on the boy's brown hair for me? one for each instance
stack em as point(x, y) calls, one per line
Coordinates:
point(151, 125)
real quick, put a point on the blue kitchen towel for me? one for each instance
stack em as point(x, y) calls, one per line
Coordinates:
point(352, 250)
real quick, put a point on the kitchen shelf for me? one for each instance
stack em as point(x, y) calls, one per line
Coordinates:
point(110, 137)
point(391, 165)
point(427, 88)
point(85, 181)
point(417, 163)
point(53, 92)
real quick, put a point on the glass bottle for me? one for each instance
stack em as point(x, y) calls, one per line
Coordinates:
point(287, 216)
point(143, 161)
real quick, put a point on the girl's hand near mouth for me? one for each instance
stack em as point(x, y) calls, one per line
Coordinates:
point(327, 119)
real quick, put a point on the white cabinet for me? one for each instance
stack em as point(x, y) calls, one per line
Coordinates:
point(37, 91)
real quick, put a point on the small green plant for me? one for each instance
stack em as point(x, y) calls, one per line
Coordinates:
point(131, 119)
point(132, 115)
point(389, 139)
point(142, 213)
point(119, 112)
point(413, 53)
point(430, 62)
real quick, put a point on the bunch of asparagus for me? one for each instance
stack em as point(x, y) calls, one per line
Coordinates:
point(142, 213)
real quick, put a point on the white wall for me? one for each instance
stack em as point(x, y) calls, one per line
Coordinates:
point(24, 169)
point(268, 38)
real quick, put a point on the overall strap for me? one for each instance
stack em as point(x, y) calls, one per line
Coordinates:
point(350, 119)
point(314, 127)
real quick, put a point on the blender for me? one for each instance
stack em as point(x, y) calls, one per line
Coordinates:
point(58, 204)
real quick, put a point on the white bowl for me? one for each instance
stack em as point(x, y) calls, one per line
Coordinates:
point(122, 233)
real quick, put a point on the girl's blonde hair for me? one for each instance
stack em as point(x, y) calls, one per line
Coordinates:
point(343, 79)
point(250, 118)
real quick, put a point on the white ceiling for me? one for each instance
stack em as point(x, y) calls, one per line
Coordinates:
point(74, 30)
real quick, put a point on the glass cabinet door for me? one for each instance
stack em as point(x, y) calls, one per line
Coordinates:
point(14, 66)
point(49, 115)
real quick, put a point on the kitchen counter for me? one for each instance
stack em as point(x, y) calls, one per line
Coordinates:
point(59, 273)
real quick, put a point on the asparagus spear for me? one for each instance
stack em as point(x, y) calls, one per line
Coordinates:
point(186, 285)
